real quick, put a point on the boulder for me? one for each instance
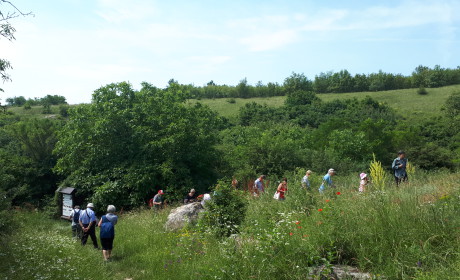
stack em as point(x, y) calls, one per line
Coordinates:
point(339, 272)
point(181, 216)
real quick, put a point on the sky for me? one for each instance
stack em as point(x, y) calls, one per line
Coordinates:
point(73, 47)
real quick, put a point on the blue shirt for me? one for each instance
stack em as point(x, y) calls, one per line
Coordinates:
point(400, 172)
point(305, 181)
point(87, 216)
point(327, 179)
point(259, 185)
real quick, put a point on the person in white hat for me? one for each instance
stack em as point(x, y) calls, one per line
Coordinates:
point(87, 222)
point(364, 181)
point(327, 180)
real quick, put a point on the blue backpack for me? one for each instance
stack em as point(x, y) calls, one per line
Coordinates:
point(107, 228)
point(76, 215)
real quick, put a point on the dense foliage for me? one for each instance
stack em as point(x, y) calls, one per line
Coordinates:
point(47, 100)
point(330, 82)
point(127, 144)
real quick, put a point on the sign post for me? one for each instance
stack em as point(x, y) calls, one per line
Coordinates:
point(67, 202)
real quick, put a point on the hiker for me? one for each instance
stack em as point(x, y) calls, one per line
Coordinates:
point(107, 234)
point(234, 183)
point(399, 168)
point(305, 182)
point(363, 183)
point(87, 222)
point(206, 197)
point(75, 217)
point(327, 180)
point(190, 197)
point(259, 185)
point(282, 189)
point(158, 200)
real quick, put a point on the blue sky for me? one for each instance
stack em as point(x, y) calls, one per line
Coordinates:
point(72, 47)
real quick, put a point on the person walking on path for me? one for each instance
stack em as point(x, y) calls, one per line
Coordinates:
point(87, 222)
point(259, 185)
point(327, 180)
point(399, 168)
point(107, 234)
point(305, 182)
point(158, 200)
point(282, 189)
point(75, 218)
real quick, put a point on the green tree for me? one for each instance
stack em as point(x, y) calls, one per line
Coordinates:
point(297, 82)
point(8, 11)
point(127, 143)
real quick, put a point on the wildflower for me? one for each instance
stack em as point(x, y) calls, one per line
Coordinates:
point(320, 209)
point(327, 200)
point(299, 227)
point(338, 193)
point(298, 222)
point(291, 234)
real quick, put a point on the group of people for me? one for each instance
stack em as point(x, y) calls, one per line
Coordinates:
point(398, 166)
point(157, 201)
point(84, 223)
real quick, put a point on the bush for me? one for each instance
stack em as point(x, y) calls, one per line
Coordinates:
point(64, 110)
point(5, 214)
point(231, 100)
point(27, 106)
point(226, 211)
point(422, 91)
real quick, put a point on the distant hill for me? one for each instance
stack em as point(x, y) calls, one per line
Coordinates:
point(406, 102)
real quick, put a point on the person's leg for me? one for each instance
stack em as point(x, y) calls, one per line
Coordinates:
point(79, 232)
point(397, 180)
point(92, 233)
point(74, 231)
point(84, 238)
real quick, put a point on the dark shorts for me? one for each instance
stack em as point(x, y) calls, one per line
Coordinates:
point(107, 243)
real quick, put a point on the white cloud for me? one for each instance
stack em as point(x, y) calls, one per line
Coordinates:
point(270, 40)
point(116, 11)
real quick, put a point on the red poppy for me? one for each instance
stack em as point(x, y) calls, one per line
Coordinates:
point(299, 227)
point(338, 193)
point(298, 222)
point(291, 234)
point(320, 209)
point(327, 200)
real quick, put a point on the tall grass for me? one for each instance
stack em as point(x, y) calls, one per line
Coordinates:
point(399, 233)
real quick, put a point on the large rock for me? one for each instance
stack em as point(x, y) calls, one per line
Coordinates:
point(339, 272)
point(181, 216)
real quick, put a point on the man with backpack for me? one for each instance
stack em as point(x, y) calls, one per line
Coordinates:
point(75, 218)
point(88, 225)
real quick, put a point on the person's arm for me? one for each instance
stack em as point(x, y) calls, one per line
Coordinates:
point(394, 166)
point(100, 222)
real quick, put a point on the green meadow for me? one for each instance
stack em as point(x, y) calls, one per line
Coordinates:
point(406, 102)
point(411, 232)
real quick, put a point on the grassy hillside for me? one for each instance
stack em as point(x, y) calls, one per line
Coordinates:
point(406, 102)
point(405, 233)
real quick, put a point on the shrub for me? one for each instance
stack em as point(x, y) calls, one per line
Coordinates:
point(64, 110)
point(5, 214)
point(422, 91)
point(27, 106)
point(231, 100)
point(225, 211)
